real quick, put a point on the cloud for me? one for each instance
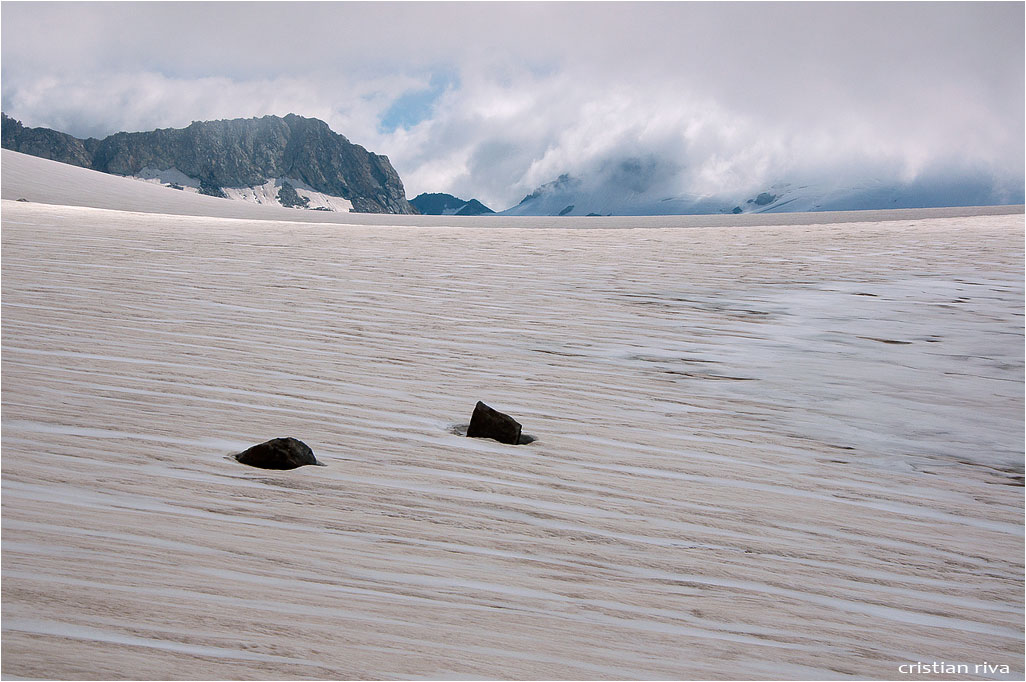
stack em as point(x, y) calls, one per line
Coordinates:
point(490, 100)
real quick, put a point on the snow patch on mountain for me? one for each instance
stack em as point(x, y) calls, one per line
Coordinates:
point(267, 194)
point(170, 177)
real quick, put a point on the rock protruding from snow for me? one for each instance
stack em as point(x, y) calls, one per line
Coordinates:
point(288, 197)
point(490, 423)
point(279, 453)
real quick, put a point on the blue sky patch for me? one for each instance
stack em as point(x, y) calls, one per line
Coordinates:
point(414, 106)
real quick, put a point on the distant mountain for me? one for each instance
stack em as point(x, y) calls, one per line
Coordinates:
point(447, 204)
point(290, 161)
point(46, 143)
point(624, 193)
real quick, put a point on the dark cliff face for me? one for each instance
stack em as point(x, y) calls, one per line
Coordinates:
point(235, 153)
point(45, 143)
point(329, 163)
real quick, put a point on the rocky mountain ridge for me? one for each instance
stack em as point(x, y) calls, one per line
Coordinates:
point(301, 163)
point(237, 153)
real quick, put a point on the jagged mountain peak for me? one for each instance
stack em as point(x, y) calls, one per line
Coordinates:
point(233, 153)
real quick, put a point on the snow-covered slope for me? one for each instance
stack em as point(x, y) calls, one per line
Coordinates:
point(570, 196)
point(762, 452)
point(267, 194)
point(878, 195)
point(49, 182)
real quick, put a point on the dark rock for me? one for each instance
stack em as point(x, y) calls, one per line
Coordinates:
point(489, 423)
point(211, 189)
point(278, 453)
point(289, 197)
point(23, 199)
point(737, 209)
point(765, 198)
point(44, 143)
point(566, 210)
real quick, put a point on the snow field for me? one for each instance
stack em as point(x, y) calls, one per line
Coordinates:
point(781, 452)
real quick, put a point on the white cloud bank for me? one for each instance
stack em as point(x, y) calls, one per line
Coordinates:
point(696, 98)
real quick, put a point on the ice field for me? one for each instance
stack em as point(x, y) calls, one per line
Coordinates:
point(763, 451)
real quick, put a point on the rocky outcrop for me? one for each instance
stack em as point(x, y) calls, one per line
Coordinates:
point(211, 189)
point(278, 453)
point(233, 153)
point(45, 143)
point(288, 197)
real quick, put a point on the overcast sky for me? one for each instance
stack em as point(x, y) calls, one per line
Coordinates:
point(490, 100)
